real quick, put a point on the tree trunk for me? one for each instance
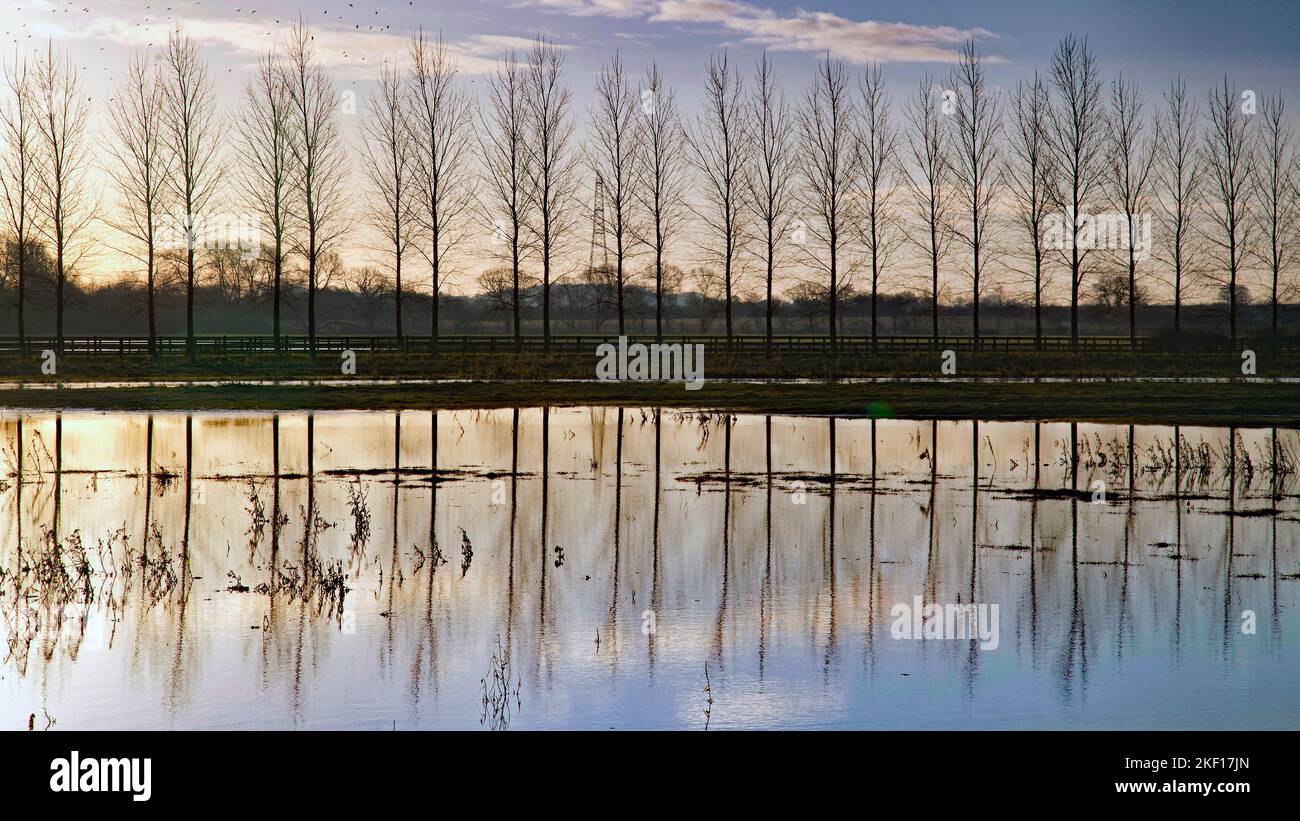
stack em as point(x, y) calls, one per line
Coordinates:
point(934, 287)
point(875, 346)
point(514, 265)
point(433, 325)
point(22, 297)
point(190, 344)
point(153, 327)
point(975, 282)
point(619, 274)
point(397, 308)
point(834, 296)
point(311, 305)
point(728, 274)
point(546, 294)
point(1038, 300)
point(58, 299)
point(1132, 293)
point(768, 345)
point(659, 291)
point(1275, 306)
point(1178, 298)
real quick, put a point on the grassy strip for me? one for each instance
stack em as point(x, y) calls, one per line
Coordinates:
point(1164, 403)
point(717, 364)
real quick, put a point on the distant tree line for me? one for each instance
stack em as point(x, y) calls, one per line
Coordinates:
point(235, 297)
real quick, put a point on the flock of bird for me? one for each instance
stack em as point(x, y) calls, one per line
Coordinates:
point(21, 29)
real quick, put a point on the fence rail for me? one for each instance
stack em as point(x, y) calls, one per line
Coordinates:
point(239, 345)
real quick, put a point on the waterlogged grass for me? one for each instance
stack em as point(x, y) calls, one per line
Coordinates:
point(506, 380)
point(1187, 403)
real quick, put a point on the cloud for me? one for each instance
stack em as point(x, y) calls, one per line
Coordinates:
point(595, 8)
point(498, 44)
point(858, 41)
point(343, 49)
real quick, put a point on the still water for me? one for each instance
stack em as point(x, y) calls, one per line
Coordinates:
point(637, 568)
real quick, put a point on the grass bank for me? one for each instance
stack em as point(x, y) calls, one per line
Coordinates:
point(717, 364)
point(1185, 403)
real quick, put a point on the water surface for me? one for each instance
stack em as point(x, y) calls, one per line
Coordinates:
point(636, 568)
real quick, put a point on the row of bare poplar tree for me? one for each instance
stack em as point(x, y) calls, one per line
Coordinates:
point(826, 189)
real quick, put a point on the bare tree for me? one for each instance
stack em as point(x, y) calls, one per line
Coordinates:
point(389, 162)
point(63, 200)
point(1077, 138)
point(660, 180)
point(497, 286)
point(267, 174)
point(1132, 158)
point(194, 136)
point(319, 163)
point(878, 180)
point(140, 166)
point(615, 132)
point(369, 288)
point(1028, 175)
point(1277, 199)
point(1179, 176)
point(503, 128)
point(18, 173)
point(770, 193)
point(718, 144)
point(826, 160)
point(930, 184)
point(551, 164)
point(978, 127)
point(1229, 162)
point(238, 276)
point(440, 121)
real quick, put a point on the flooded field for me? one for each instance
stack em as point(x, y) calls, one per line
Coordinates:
point(637, 568)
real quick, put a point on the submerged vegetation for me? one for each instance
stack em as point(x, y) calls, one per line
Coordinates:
point(1191, 461)
point(50, 589)
point(498, 692)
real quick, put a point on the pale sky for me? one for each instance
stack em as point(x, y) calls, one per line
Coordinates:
point(1254, 43)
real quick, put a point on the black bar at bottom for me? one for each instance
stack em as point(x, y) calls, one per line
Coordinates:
point(239, 771)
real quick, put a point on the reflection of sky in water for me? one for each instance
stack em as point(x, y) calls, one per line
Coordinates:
point(795, 634)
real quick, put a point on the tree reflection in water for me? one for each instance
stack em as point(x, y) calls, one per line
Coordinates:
point(146, 580)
